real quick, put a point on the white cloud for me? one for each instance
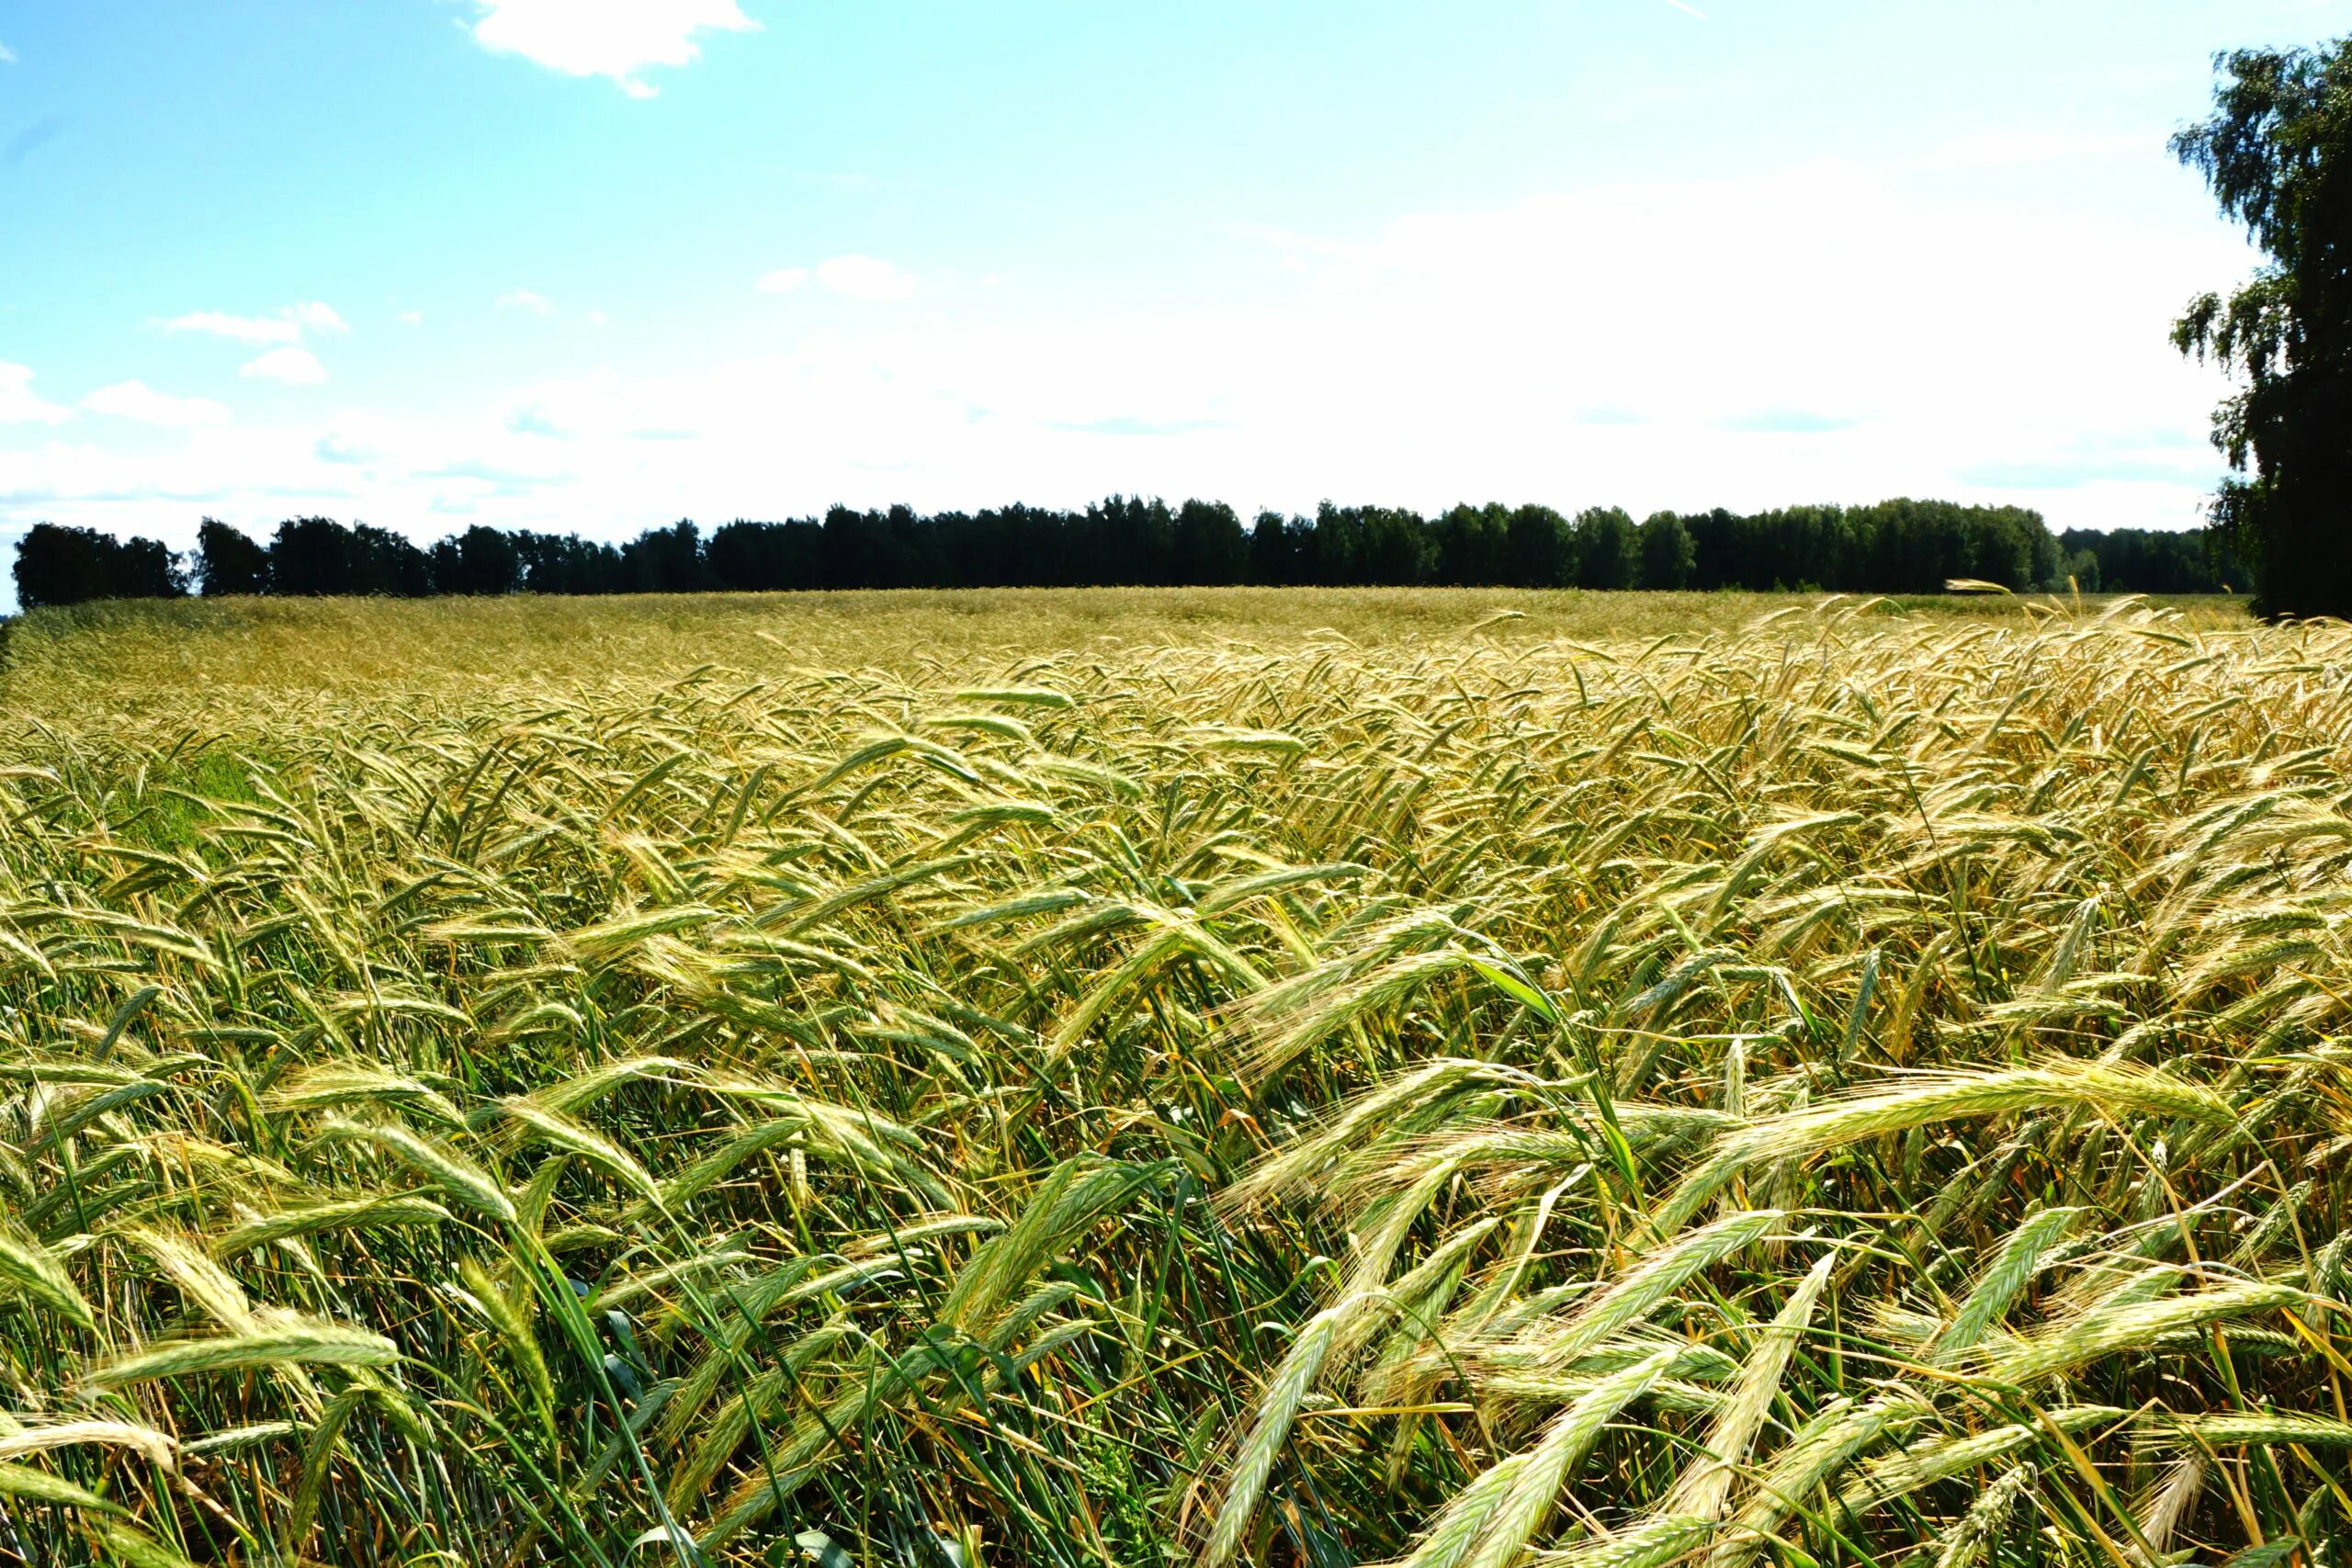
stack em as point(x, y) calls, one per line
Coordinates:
point(1866, 337)
point(617, 39)
point(295, 366)
point(412, 318)
point(598, 319)
point(286, 325)
point(7, 56)
point(851, 276)
point(19, 404)
point(318, 317)
point(525, 301)
point(239, 329)
point(139, 401)
point(864, 277)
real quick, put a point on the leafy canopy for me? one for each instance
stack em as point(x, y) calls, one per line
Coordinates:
point(2273, 153)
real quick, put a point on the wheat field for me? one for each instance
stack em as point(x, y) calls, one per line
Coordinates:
point(1847, 1085)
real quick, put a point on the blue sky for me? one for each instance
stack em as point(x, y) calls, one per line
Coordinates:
point(594, 265)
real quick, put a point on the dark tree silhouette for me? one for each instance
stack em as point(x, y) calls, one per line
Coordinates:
point(766, 556)
point(1540, 549)
point(481, 561)
point(2278, 156)
point(1473, 544)
point(1608, 548)
point(2145, 559)
point(73, 565)
point(1209, 548)
point(228, 561)
point(667, 560)
point(1899, 547)
point(1274, 551)
point(318, 556)
point(1668, 555)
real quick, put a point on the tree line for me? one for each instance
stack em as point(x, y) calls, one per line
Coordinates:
point(1895, 546)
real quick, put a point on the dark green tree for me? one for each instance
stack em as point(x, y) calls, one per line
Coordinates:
point(1397, 550)
point(1335, 548)
point(1209, 546)
point(1540, 549)
point(667, 560)
point(483, 561)
point(2144, 560)
point(2278, 156)
point(320, 555)
point(1668, 554)
point(1132, 541)
point(73, 565)
point(228, 562)
point(1274, 551)
point(566, 564)
point(1609, 548)
point(312, 556)
point(1473, 544)
point(1892, 546)
point(764, 556)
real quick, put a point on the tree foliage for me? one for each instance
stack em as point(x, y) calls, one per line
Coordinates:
point(1895, 546)
point(2275, 154)
point(1668, 555)
point(2151, 560)
point(227, 562)
point(65, 566)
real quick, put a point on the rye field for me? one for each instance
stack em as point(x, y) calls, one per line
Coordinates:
point(1463, 1079)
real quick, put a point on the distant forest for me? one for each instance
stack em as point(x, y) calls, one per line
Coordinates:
point(1895, 546)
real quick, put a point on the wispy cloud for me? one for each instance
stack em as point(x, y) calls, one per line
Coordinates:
point(293, 366)
point(19, 404)
point(138, 401)
point(1128, 424)
point(851, 276)
point(615, 39)
point(1788, 422)
point(526, 301)
point(7, 55)
point(286, 325)
point(30, 140)
point(318, 317)
point(1453, 354)
point(238, 329)
point(335, 447)
point(866, 278)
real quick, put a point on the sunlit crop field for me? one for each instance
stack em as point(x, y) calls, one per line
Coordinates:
point(1324, 1082)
